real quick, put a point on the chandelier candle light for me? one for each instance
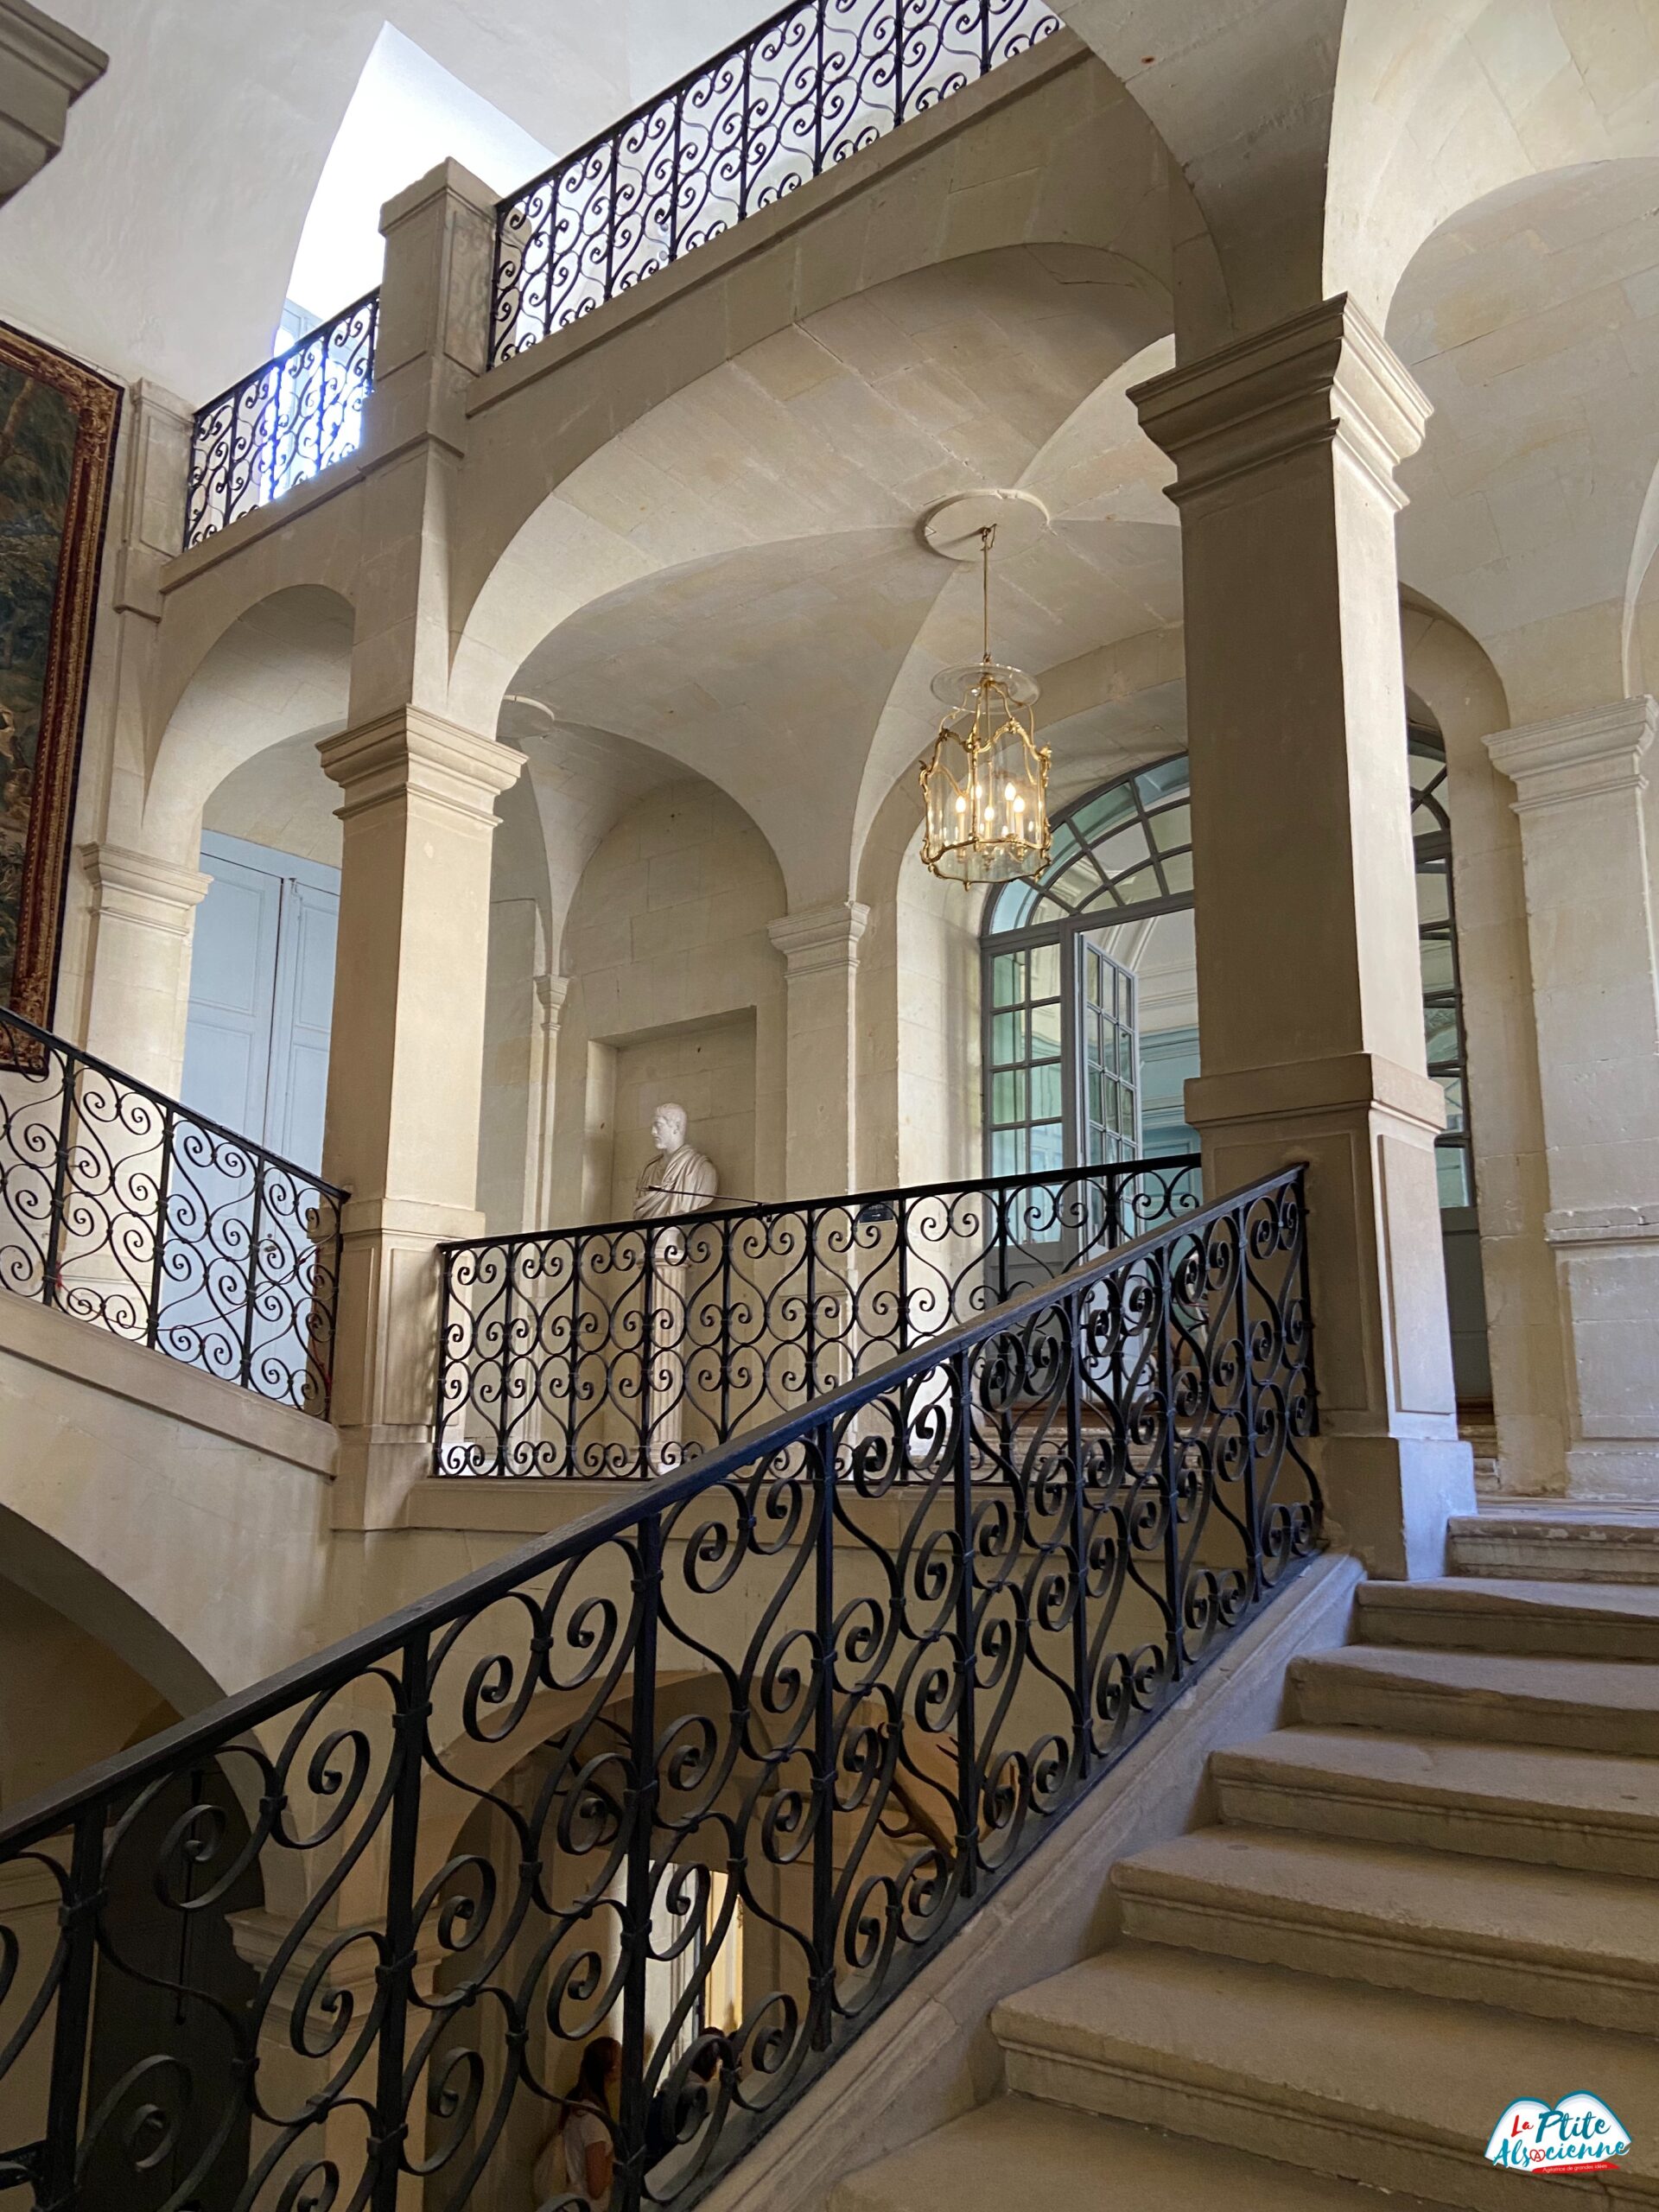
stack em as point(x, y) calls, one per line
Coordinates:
point(985, 782)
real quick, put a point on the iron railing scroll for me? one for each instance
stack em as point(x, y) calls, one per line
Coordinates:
point(298, 415)
point(627, 1350)
point(816, 82)
point(713, 1771)
point(122, 1208)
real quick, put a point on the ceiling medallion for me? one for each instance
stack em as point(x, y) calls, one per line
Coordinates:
point(985, 782)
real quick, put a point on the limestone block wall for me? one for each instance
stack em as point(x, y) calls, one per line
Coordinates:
point(674, 991)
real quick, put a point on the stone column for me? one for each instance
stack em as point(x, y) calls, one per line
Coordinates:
point(820, 950)
point(1589, 845)
point(143, 914)
point(403, 1073)
point(1285, 446)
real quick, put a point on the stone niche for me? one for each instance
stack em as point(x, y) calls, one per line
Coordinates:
point(708, 1066)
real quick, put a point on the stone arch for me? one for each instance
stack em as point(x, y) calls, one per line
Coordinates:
point(279, 671)
point(612, 508)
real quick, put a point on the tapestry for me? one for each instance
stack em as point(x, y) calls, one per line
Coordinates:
point(57, 444)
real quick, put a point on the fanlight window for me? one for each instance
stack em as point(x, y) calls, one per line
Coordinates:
point(1124, 849)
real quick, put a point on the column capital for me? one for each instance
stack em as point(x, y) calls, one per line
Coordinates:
point(551, 992)
point(412, 753)
point(139, 889)
point(1324, 378)
point(816, 940)
point(1596, 753)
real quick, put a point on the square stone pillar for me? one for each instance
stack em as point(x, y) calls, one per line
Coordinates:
point(1588, 851)
point(405, 1073)
point(1309, 999)
point(144, 918)
point(820, 950)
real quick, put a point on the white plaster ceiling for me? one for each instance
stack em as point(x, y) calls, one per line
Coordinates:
point(180, 199)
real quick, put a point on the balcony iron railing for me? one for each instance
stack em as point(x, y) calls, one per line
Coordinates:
point(627, 1350)
point(121, 1207)
point(714, 1772)
point(815, 83)
point(286, 423)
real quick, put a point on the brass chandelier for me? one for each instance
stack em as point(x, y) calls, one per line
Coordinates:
point(985, 782)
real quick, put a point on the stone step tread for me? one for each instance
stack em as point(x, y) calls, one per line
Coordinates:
point(1431, 2070)
point(1015, 2153)
point(1594, 1926)
point(1431, 1770)
point(1625, 1686)
point(1477, 1594)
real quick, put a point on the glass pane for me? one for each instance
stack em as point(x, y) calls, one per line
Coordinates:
point(1126, 849)
point(1432, 893)
point(1077, 886)
point(1126, 1055)
point(1163, 780)
point(1013, 904)
point(1143, 884)
point(1007, 978)
point(1047, 1147)
point(1008, 1152)
point(1046, 1092)
point(1178, 872)
point(1452, 1170)
point(1044, 971)
point(1009, 1039)
point(1096, 1094)
point(1009, 1097)
point(1171, 827)
point(1452, 1087)
point(1437, 963)
point(1104, 811)
point(1045, 1031)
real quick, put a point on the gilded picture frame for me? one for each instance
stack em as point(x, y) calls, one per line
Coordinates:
point(58, 424)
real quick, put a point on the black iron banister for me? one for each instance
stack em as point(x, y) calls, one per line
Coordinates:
point(833, 1682)
point(294, 416)
point(813, 84)
point(625, 1349)
point(121, 1207)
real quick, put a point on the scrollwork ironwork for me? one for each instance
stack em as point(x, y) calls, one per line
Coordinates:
point(297, 415)
point(713, 1772)
point(119, 1206)
point(816, 82)
point(630, 1349)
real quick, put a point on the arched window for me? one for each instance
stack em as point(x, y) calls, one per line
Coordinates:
point(1090, 982)
point(1090, 992)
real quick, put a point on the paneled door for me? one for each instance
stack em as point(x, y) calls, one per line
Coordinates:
point(262, 984)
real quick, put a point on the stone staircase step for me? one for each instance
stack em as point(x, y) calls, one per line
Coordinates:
point(1014, 2154)
point(1557, 1543)
point(1546, 1807)
point(1568, 1620)
point(1585, 1705)
point(1395, 2090)
point(1561, 1946)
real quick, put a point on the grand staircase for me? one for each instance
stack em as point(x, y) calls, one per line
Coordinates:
point(1435, 1890)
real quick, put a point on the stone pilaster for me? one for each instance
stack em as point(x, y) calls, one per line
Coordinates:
point(1285, 447)
point(143, 913)
point(820, 950)
point(1587, 842)
point(404, 1073)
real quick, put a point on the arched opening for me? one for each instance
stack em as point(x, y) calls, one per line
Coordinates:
point(1089, 992)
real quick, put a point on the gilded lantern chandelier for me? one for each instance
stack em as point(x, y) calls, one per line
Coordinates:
point(985, 783)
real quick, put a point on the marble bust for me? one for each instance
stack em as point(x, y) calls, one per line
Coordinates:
point(678, 1179)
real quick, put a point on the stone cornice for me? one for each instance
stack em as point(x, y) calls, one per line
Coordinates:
point(1594, 753)
point(29, 37)
point(138, 887)
point(1324, 378)
point(815, 940)
point(410, 753)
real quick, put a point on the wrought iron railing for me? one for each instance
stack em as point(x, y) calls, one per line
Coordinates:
point(280, 426)
point(713, 1772)
point(627, 1350)
point(122, 1208)
point(814, 83)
